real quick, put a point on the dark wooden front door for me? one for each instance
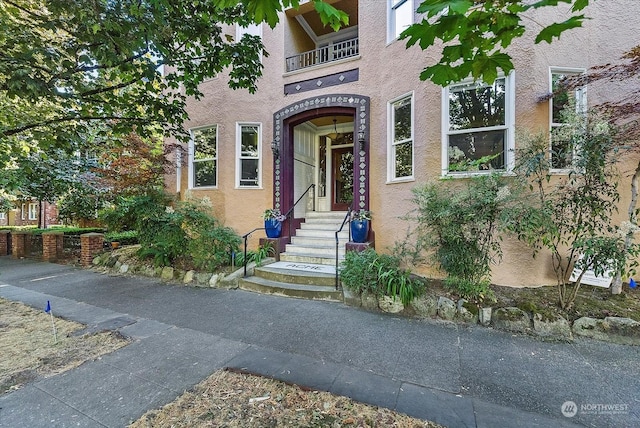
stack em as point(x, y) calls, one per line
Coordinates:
point(342, 178)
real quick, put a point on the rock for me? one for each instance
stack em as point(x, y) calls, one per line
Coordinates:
point(624, 331)
point(369, 301)
point(446, 308)
point(203, 278)
point(425, 306)
point(117, 265)
point(188, 277)
point(124, 268)
point(557, 328)
point(148, 271)
point(213, 281)
point(167, 273)
point(464, 313)
point(511, 319)
point(484, 316)
point(390, 305)
point(97, 260)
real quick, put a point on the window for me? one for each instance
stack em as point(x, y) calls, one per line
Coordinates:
point(562, 151)
point(400, 14)
point(252, 30)
point(3, 216)
point(23, 212)
point(203, 157)
point(400, 119)
point(33, 211)
point(248, 154)
point(478, 126)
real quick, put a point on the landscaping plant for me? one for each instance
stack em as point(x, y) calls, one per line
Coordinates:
point(378, 274)
point(571, 215)
point(460, 225)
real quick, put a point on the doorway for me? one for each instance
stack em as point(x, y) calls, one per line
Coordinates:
point(342, 178)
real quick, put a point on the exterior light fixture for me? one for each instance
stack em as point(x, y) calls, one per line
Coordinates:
point(361, 140)
point(275, 149)
point(335, 134)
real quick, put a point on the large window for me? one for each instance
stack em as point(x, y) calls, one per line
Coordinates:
point(33, 211)
point(203, 157)
point(478, 126)
point(248, 154)
point(252, 30)
point(564, 97)
point(400, 120)
point(400, 13)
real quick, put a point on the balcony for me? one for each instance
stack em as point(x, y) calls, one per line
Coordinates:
point(323, 55)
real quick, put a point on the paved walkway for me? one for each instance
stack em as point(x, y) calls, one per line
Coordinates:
point(454, 375)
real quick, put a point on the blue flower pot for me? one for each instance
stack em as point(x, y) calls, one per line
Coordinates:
point(359, 230)
point(273, 228)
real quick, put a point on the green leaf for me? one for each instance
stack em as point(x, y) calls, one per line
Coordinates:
point(554, 30)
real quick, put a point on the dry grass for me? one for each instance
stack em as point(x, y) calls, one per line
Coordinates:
point(29, 350)
point(228, 399)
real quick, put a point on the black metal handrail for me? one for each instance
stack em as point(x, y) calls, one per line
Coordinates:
point(312, 186)
point(347, 219)
point(246, 237)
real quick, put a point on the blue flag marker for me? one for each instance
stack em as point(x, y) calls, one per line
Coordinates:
point(48, 308)
point(632, 283)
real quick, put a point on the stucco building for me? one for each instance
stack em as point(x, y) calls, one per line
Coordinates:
point(346, 112)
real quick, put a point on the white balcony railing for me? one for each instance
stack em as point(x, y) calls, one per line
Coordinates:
point(332, 52)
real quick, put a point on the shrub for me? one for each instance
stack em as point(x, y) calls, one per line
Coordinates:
point(378, 274)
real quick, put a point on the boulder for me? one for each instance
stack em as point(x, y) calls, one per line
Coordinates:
point(446, 309)
point(557, 328)
point(202, 279)
point(624, 331)
point(425, 306)
point(369, 301)
point(124, 268)
point(188, 277)
point(511, 319)
point(351, 298)
point(167, 273)
point(466, 313)
point(484, 316)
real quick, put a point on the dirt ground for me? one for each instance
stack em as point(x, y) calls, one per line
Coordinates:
point(225, 399)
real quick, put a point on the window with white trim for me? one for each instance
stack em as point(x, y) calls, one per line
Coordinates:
point(478, 126)
point(252, 30)
point(203, 157)
point(400, 16)
point(400, 150)
point(248, 146)
point(3, 216)
point(33, 211)
point(562, 152)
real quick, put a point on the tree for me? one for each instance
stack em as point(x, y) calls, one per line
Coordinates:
point(65, 64)
point(477, 33)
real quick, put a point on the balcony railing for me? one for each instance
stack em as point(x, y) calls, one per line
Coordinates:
point(323, 55)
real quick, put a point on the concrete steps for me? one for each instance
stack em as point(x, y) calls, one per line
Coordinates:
point(315, 240)
point(306, 281)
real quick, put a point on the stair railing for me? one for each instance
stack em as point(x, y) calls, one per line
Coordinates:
point(312, 186)
point(246, 237)
point(347, 219)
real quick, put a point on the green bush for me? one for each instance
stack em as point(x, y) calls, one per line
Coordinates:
point(128, 237)
point(68, 230)
point(378, 274)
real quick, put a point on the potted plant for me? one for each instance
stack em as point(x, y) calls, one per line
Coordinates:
point(360, 225)
point(273, 219)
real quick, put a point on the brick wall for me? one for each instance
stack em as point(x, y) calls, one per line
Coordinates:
point(91, 244)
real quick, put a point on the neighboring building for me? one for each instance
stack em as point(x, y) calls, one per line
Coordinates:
point(29, 213)
point(348, 113)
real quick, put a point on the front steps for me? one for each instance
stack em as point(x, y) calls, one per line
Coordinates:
point(315, 240)
point(307, 267)
point(304, 281)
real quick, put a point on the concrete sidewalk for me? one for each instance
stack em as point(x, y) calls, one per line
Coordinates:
point(456, 376)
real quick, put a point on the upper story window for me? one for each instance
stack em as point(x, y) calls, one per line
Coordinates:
point(252, 30)
point(562, 152)
point(33, 211)
point(400, 150)
point(248, 155)
point(3, 216)
point(203, 157)
point(478, 126)
point(400, 16)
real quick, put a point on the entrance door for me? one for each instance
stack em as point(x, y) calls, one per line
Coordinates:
point(342, 178)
